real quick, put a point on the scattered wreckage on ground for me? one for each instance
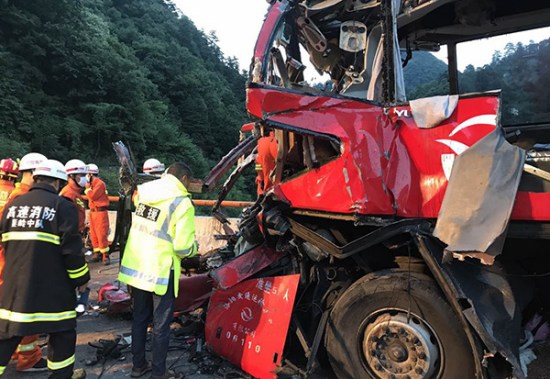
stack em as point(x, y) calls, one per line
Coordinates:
point(398, 239)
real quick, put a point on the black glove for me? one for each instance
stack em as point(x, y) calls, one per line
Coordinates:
point(192, 262)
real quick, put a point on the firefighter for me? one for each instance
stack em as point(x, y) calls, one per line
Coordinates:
point(8, 174)
point(77, 173)
point(98, 202)
point(162, 233)
point(265, 161)
point(28, 353)
point(153, 167)
point(44, 265)
point(27, 165)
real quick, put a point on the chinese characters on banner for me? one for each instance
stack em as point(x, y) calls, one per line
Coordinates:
point(248, 323)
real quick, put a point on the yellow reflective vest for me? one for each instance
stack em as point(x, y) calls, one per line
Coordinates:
point(162, 233)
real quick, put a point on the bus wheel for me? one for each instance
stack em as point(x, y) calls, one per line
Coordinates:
point(384, 327)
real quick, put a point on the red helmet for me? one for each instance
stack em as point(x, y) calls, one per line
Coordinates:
point(9, 168)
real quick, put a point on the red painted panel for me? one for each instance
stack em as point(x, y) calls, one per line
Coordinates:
point(431, 153)
point(262, 43)
point(532, 206)
point(248, 323)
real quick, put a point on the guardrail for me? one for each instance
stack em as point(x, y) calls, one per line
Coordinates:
point(205, 203)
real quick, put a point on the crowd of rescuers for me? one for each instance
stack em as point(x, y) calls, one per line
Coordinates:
point(43, 268)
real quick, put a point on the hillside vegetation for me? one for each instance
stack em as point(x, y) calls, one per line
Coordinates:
point(522, 73)
point(79, 74)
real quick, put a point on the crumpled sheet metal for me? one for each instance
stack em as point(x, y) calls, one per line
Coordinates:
point(245, 265)
point(388, 166)
point(350, 183)
point(430, 112)
point(479, 199)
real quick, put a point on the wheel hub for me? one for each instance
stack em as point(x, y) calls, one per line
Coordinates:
point(395, 347)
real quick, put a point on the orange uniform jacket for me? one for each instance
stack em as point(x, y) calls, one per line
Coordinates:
point(20, 189)
point(265, 161)
point(97, 195)
point(72, 192)
point(98, 201)
point(6, 188)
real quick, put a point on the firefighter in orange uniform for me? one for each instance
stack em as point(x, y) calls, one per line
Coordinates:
point(8, 174)
point(28, 353)
point(77, 172)
point(26, 167)
point(265, 161)
point(98, 202)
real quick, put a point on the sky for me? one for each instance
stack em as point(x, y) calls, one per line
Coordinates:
point(237, 24)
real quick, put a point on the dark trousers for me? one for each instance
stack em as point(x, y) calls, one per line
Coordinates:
point(161, 308)
point(61, 346)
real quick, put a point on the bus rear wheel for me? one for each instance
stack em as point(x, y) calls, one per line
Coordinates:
point(384, 328)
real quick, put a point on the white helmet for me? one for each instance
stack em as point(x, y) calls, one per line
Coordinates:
point(76, 166)
point(153, 166)
point(31, 161)
point(93, 169)
point(51, 168)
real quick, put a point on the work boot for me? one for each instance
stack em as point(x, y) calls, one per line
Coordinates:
point(79, 373)
point(106, 260)
point(95, 258)
point(40, 366)
point(137, 372)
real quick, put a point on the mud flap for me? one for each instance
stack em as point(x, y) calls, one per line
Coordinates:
point(248, 323)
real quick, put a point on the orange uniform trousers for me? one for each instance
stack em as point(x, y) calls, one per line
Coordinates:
point(99, 231)
point(28, 352)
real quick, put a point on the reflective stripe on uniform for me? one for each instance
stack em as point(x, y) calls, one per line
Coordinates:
point(59, 365)
point(171, 209)
point(2, 369)
point(27, 347)
point(35, 317)
point(161, 234)
point(186, 251)
point(106, 250)
point(258, 167)
point(73, 274)
point(36, 236)
point(142, 276)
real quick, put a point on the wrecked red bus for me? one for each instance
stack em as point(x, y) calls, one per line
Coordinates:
point(396, 238)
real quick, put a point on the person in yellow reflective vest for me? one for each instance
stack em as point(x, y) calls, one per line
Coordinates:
point(44, 266)
point(162, 233)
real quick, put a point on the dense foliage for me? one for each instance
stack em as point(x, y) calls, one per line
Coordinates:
point(522, 73)
point(78, 75)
